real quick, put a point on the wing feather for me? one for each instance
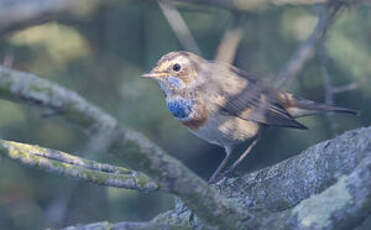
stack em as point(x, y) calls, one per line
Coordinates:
point(258, 102)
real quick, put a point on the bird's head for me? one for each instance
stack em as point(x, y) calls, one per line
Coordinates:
point(177, 71)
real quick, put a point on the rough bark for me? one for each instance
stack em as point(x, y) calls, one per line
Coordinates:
point(126, 226)
point(327, 186)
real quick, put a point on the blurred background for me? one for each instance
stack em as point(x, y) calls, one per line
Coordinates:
point(99, 49)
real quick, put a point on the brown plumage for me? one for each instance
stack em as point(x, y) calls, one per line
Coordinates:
point(224, 105)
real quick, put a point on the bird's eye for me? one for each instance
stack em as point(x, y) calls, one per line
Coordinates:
point(176, 67)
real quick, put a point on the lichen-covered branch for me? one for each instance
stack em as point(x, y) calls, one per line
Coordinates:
point(133, 148)
point(283, 185)
point(327, 186)
point(344, 205)
point(126, 226)
point(75, 167)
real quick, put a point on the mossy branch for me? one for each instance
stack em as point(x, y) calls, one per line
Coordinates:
point(127, 226)
point(76, 167)
point(132, 147)
point(344, 205)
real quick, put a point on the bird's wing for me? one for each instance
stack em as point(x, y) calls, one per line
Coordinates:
point(258, 102)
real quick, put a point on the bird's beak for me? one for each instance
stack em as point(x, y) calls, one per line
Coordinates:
point(154, 75)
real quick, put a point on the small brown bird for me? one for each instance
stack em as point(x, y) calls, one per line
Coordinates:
point(226, 106)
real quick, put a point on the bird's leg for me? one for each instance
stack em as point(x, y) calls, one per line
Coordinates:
point(244, 154)
point(227, 157)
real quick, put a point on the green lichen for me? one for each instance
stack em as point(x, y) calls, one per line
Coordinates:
point(174, 218)
point(318, 209)
point(38, 87)
point(33, 155)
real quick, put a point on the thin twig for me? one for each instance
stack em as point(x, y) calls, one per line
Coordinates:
point(57, 210)
point(97, 145)
point(327, 85)
point(227, 48)
point(306, 50)
point(179, 26)
point(344, 88)
point(329, 89)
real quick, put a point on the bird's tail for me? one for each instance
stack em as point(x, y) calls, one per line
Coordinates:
point(299, 107)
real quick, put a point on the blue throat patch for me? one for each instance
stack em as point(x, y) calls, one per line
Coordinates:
point(180, 108)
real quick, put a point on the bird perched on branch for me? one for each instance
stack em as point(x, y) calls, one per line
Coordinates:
point(226, 106)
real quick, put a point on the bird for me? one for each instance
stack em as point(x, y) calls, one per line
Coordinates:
point(225, 105)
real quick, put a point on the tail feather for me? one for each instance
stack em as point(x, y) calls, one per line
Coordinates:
point(328, 108)
point(299, 107)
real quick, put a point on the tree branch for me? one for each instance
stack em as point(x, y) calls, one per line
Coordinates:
point(136, 150)
point(283, 185)
point(329, 88)
point(126, 226)
point(283, 195)
point(344, 205)
point(75, 167)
